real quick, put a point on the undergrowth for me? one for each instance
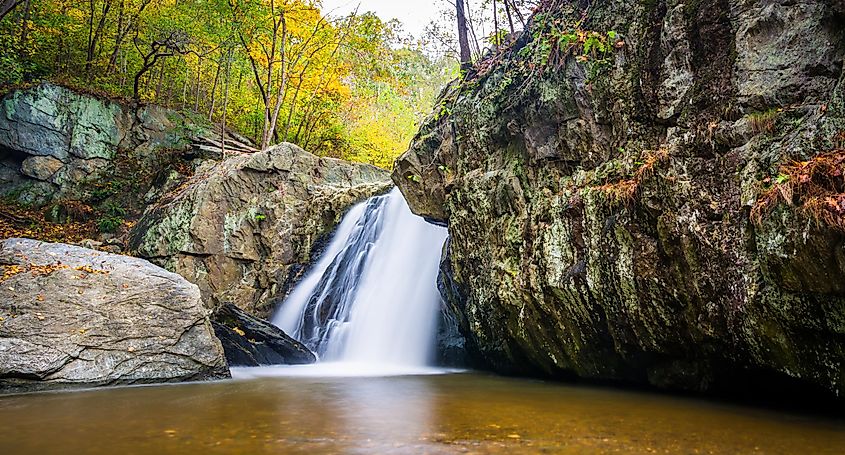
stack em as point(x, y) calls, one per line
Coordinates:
point(763, 122)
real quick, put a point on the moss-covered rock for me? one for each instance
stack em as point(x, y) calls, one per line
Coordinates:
point(600, 219)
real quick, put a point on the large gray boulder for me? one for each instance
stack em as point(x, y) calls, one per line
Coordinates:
point(244, 229)
point(76, 317)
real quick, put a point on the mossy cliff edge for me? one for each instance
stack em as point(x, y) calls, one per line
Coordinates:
point(658, 206)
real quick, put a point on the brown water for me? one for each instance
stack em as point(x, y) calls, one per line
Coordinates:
point(458, 413)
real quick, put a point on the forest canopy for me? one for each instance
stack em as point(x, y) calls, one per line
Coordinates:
point(351, 87)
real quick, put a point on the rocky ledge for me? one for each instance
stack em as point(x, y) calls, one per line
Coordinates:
point(72, 317)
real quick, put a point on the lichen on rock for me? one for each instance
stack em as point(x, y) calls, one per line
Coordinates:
point(600, 222)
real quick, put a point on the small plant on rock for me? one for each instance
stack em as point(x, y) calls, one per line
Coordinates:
point(763, 122)
point(816, 187)
point(112, 218)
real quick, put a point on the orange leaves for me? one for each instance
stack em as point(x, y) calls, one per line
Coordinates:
point(88, 269)
point(10, 271)
point(816, 186)
point(31, 224)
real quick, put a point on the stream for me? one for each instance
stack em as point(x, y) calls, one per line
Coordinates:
point(424, 413)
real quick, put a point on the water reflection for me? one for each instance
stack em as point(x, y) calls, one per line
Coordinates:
point(456, 413)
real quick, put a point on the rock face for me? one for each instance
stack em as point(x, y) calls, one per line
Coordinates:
point(76, 317)
point(245, 229)
point(251, 342)
point(56, 143)
point(632, 212)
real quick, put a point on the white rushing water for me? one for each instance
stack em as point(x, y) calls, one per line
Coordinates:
point(371, 299)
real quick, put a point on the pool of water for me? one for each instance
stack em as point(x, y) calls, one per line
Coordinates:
point(266, 412)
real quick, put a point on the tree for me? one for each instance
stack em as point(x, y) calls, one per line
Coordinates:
point(351, 87)
point(171, 43)
point(463, 40)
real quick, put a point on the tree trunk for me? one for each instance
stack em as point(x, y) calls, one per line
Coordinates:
point(197, 86)
point(495, 24)
point(225, 101)
point(510, 17)
point(517, 11)
point(185, 85)
point(463, 40)
point(214, 87)
point(271, 127)
point(95, 35)
point(25, 26)
point(7, 6)
point(476, 46)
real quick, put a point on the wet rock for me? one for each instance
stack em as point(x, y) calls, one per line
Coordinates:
point(600, 219)
point(237, 229)
point(76, 317)
point(251, 342)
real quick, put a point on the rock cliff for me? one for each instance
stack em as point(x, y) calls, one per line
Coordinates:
point(59, 144)
point(649, 192)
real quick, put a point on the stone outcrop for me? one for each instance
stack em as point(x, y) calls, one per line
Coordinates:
point(58, 144)
point(632, 213)
point(251, 342)
point(244, 230)
point(76, 317)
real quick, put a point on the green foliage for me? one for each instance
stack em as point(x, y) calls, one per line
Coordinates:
point(553, 42)
point(343, 87)
point(111, 219)
point(763, 122)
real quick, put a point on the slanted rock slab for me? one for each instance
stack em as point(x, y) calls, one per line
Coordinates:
point(70, 316)
point(251, 342)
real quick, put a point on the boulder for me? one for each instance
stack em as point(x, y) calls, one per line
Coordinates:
point(251, 342)
point(244, 229)
point(634, 214)
point(70, 316)
point(41, 167)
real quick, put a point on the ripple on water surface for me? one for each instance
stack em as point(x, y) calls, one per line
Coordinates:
point(273, 411)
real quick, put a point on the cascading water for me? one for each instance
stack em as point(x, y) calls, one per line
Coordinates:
point(372, 296)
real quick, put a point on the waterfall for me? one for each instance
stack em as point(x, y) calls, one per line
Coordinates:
point(372, 296)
